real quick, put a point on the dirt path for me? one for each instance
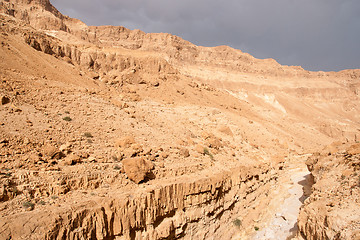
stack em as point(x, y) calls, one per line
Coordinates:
point(283, 223)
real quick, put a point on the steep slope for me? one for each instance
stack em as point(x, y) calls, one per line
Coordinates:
point(290, 91)
point(110, 133)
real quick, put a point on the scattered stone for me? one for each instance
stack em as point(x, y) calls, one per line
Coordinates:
point(72, 159)
point(199, 148)
point(164, 155)
point(5, 100)
point(26, 141)
point(120, 168)
point(91, 159)
point(94, 75)
point(226, 130)
point(28, 206)
point(132, 151)
point(53, 168)
point(354, 149)
point(147, 150)
point(184, 152)
point(137, 169)
point(34, 158)
point(84, 155)
point(214, 143)
point(120, 104)
point(141, 81)
point(155, 83)
point(66, 148)
point(52, 152)
point(215, 112)
point(160, 164)
point(206, 135)
point(125, 142)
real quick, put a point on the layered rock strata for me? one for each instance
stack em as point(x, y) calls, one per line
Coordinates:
point(187, 207)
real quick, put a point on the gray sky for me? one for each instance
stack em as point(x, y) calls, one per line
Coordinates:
point(315, 34)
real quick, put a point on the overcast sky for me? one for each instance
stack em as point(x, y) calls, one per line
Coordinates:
point(315, 34)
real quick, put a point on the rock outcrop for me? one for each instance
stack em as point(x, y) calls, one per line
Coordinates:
point(201, 207)
point(332, 211)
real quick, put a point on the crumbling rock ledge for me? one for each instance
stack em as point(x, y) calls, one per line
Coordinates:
point(193, 206)
point(333, 209)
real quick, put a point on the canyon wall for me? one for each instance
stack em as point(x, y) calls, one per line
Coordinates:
point(332, 211)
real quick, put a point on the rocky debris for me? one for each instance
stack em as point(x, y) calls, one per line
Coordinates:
point(199, 148)
point(137, 169)
point(28, 206)
point(128, 147)
point(5, 100)
point(71, 159)
point(184, 152)
point(120, 104)
point(124, 142)
point(52, 152)
point(226, 130)
point(164, 154)
point(332, 210)
point(354, 149)
point(8, 189)
point(132, 151)
point(155, 82)
point(34, 158)
point(214, 142)
point(66, 148)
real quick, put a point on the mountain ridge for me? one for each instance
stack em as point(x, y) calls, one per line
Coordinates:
point(174, 46)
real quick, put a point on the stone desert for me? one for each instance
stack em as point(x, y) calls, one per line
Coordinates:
point(111, 133)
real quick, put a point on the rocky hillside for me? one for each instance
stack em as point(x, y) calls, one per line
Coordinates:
point(109, 133)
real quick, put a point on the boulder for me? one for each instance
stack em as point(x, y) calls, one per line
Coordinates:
point(52, 152)
point(214, 142)
point(72, 159)
point(184, 152)
point(5, 100)
point(137, 169)
point(199, 148)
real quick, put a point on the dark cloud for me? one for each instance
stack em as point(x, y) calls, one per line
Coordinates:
point(318, 35)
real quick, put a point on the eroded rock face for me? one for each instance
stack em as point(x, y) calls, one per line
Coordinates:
point(333, 211)
point(200, 207)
